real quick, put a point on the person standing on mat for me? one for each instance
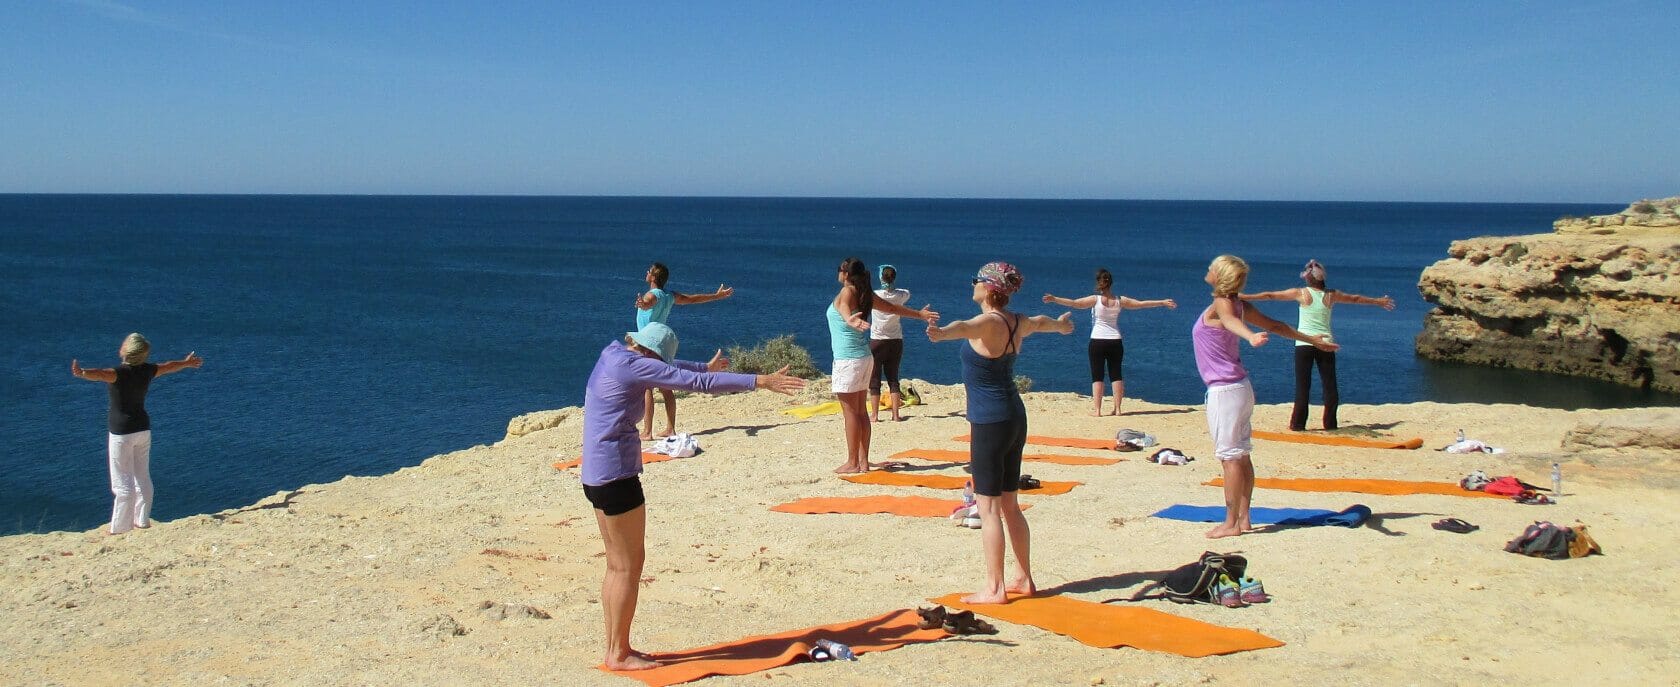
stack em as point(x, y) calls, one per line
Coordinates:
point(129, 445)
point(612, 458)
point(1230, 397)
point(655, 306)
point(997, 421)
point(886, 345)
point(1315, 301)
point(1107, 349)
point(848, 330)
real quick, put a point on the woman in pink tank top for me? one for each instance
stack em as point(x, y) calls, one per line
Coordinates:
point(1230, 398)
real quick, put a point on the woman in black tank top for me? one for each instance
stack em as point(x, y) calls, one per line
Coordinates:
point(129, 445)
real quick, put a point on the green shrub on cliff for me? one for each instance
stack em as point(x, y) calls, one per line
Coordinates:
point(770, 355)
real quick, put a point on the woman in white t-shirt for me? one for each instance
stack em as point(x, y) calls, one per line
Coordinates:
point(1106, 349)
point(886, 345)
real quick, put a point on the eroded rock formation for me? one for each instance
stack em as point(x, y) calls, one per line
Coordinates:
point(1598, 297)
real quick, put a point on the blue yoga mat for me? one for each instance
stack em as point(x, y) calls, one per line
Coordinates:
point(1354, 516)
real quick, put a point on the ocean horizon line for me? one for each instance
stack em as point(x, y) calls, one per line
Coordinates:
point(1003, 199)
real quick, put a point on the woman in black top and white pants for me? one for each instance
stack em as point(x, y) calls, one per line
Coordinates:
point(130, 442)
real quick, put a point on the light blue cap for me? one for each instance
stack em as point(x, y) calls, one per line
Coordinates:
point(657, 337)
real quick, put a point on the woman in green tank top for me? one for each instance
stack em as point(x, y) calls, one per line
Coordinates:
point(1315, 301)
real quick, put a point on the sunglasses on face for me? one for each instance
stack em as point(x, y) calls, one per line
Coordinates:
point(975, 280)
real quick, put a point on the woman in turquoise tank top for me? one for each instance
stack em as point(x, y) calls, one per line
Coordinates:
point(1315, 301)
point(848, 330)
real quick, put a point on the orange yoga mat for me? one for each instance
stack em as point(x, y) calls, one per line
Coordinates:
point(907, 479)
point(1336, 440)
point(962, 457)
point(646, 458)
point(1107, 626)
point(1070, 442)
point(914, 506)
point(754, 654)
point(1390, 487)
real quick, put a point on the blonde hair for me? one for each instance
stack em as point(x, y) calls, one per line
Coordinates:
point(134, 349)
point(1230, 273)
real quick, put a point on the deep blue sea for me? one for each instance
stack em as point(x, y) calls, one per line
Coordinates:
point(358, 335)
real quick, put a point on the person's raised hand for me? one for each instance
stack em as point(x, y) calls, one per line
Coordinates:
point(1065, 322)
point(725, 291)
point(192, 360)
point(1323, 343)
point(858, 322)
point(1386, 302)
point(1171, 304)
point(718, 363)
point(1258, 339)
point(1048, 298)
point(75, 368)
point(928, 314)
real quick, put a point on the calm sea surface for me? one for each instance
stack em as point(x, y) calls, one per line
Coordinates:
point(358, 335)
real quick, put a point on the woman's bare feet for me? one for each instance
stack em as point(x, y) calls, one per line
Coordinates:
point(632, 661)
point(987, 597)
point(1022, 585)
point(668, 432)
point(850, 468)
point(1223, 531)
point(647, 436)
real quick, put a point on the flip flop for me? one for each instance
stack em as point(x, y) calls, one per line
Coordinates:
point(891, 465)
point(1029, 482)
point(1454, 525)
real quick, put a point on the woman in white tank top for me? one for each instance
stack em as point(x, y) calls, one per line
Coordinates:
point(1107, 351)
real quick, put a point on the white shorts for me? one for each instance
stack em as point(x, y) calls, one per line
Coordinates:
point(1230, 415)
point(851, 374)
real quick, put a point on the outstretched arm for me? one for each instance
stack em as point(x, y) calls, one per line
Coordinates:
point(1356, 299)
point(1046, 323)
point(1228, 318)
point(1134, 304)
point(691, 299)
point(926, 314)
point(961, 329)
point(1283, 295)
point(646, 301)
point(1259, 319)
point(192, 360)
point(1081, 303)
point(103, 374)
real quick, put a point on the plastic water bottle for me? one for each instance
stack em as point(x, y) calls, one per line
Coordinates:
point(1557, 480)
point(1461, 436)
point(836, 650)
point(968, 491)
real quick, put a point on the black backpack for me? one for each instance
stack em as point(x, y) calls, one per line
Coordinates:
point(1193, 583)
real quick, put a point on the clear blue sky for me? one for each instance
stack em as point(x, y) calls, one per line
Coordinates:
point(1472, 101)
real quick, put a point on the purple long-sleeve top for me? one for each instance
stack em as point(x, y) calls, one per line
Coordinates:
point(613, 404)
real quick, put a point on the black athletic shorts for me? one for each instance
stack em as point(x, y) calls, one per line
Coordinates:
point(616, 497)
point(994, 454)
point(1109, 353)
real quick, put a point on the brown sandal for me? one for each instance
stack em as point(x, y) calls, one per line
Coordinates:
point(964, 623)
point(932, 618)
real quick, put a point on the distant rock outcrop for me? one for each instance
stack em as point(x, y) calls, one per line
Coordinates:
point(1599, 297)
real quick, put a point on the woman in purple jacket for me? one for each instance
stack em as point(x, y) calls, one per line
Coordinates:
point(612, 458)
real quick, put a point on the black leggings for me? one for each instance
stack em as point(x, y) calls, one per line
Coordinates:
point(994, 455)
point(1109, 352)
point(888, 353)
point(1305, 356)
